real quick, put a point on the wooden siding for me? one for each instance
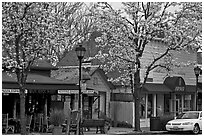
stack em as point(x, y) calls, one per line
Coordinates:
point(179, 57)
point(101, 87)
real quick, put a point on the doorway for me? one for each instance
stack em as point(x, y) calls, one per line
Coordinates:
point(175, 106)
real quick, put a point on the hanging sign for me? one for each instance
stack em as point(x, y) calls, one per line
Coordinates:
point(68, 91)
point(86, 64)
point(88, 91)
point(7, 91)
point(75, 91)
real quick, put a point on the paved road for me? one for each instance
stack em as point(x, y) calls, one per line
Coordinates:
point(125, 131)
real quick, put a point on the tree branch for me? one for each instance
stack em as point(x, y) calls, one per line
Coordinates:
point(124, 59)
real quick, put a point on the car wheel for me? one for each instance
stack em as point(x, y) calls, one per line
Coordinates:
point(196, 129)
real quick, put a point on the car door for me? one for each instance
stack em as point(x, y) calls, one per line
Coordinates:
point(200, 120)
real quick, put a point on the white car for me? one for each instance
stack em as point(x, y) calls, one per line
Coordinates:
point(187, 121)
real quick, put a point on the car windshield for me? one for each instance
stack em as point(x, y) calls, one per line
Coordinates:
point(189, 115)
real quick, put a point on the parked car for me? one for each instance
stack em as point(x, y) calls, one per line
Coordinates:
point(187, 121)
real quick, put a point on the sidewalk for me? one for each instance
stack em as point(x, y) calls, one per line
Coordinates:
point(130, 131)
point(112, 131)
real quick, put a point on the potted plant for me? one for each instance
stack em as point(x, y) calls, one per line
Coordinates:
point(57, 118)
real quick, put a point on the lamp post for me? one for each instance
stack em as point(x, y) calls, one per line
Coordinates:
point(197, 73)
point(80, 51)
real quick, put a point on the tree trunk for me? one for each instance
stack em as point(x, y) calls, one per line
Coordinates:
point(137, 99)
point(22, 111)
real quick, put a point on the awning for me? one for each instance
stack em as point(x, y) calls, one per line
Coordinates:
point(176, 83)
point(192, 88)
point(156, 87)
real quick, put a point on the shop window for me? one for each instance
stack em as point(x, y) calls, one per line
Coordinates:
point(59, 97)
point(67, 98)
point(53, 98)
point(95, 81)
point(187, 103)
point(150, 105)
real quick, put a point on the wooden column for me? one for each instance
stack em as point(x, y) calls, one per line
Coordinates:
point(45, 109)
point(14, 108)
point(146, 105)
point(154, 105)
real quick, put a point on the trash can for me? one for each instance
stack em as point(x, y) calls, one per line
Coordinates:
point(155, 124)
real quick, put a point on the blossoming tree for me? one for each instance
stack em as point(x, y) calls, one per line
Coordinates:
point(34, 30)
point(127, 32)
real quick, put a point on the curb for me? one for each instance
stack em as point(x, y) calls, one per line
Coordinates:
point(141, 133)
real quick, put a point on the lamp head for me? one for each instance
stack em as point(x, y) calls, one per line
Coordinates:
point(80, 51)
point(197, 71)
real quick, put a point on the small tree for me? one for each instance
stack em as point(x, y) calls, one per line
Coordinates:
point(23, 32)
point(126, 34)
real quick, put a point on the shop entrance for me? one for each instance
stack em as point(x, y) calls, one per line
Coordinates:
point(174, 106)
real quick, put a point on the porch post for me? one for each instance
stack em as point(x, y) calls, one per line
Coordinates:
point(45, 109)
point(146, 105)
point(195, 97)
point(154, 105)
point(182, 102)
point(14, 108)
point(99, 106)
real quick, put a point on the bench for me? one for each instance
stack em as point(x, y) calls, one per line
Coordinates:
point(98, 123)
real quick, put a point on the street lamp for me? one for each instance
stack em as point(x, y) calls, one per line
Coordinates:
point(80, 51)
point(197, 73)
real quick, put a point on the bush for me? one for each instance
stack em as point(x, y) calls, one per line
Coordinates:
point(164, 119)
point(57, 117)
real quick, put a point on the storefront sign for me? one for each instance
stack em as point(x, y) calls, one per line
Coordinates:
point(86, 64)
point(7, 91)
point(68, 91)
point(75, 91)
point(179, 88)
point(88, 91)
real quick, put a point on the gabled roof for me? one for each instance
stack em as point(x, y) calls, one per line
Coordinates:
point(71, 59)
point(104, 77)
point(33, 78)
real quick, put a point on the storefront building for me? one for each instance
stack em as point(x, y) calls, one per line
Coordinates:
point(41, 91)
point(169, 98)
point(96, 97)
point(164, 93)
